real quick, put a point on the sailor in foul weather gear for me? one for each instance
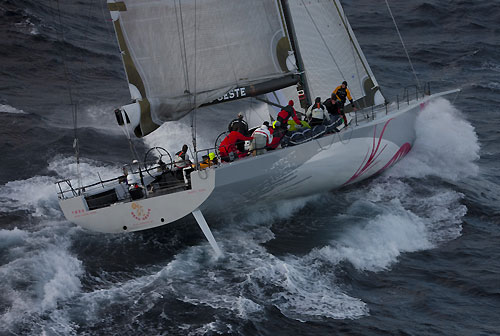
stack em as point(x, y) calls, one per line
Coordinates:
point(135, 188)
point(208, 161)
point(181, 159)
point(182, 164)
point(277, 133)
point(286, 113)
point(342, 93)
point(317, 113)
point(261, 139)
point(227, 148)
point(239, 125)
point(333, 107)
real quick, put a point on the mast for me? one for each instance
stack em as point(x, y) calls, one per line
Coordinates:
point(290, 31)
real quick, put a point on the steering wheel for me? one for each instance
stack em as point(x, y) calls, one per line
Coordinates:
point(157, 153)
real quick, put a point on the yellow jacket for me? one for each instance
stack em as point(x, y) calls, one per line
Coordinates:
point(342, 94)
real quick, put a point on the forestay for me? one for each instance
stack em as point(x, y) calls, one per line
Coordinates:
point(179, 55)
point(329, 51)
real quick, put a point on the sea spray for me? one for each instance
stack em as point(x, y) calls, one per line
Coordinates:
point(446, 146)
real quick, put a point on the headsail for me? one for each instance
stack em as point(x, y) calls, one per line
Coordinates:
point(329, 51)
point(179, 55)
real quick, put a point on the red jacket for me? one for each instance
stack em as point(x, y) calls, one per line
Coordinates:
point(228, 145)
point(276, 138)
point(285, 114)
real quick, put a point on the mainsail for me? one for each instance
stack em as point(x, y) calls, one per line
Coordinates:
point(329, 52)
point(181, 54)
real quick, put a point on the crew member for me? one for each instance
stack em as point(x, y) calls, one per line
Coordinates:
point(227, 148)
point(239, 125)
point(208, 161)
point(286, 113)
point(182, 162)
point(277, 133)
point(261, 139)
point(333, 108)
point(317, 113)
point(342, 93)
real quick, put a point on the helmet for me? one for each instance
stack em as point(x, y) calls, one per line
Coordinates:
point(211, 156)
point(276, 124)
point(290, 102)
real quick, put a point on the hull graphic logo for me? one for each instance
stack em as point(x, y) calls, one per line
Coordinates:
point(138, 212)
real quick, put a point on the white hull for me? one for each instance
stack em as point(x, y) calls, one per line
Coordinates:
point(320, 165)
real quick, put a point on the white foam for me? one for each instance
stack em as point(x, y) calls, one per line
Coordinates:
point(40, 275)
point(304, 291)
point(38, 194)
point(90, 170)
point(99, 116)
point(10, 238)
point(295, 285)
point(375, 244)
point(27, 26)
point(211, 121)
point(446, 145)
point(10, 109)
point(493, 85)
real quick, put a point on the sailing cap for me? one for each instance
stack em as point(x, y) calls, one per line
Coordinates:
point(290, 102)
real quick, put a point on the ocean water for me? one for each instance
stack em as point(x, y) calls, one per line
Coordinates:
point(415, 251)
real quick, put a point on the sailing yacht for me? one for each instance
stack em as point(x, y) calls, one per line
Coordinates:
point(184, 57)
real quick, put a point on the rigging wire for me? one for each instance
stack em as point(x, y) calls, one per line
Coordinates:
point(125, 130)
point(328, 48)
point(135, 155)
point(404, 47)
point(322, 39)
point(359, 77)
point(76, 145)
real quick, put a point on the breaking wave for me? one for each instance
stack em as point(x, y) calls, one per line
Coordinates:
point(9, 109)
point(446, 145)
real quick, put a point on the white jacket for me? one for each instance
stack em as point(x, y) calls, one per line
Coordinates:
point(317, 112)
point(263, 130)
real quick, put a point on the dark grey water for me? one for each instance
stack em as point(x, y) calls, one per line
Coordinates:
point(412, 252)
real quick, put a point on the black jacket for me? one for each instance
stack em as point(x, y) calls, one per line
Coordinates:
point(332, 108)
point(238, 125)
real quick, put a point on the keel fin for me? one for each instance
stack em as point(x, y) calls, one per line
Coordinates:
point(206, 231)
